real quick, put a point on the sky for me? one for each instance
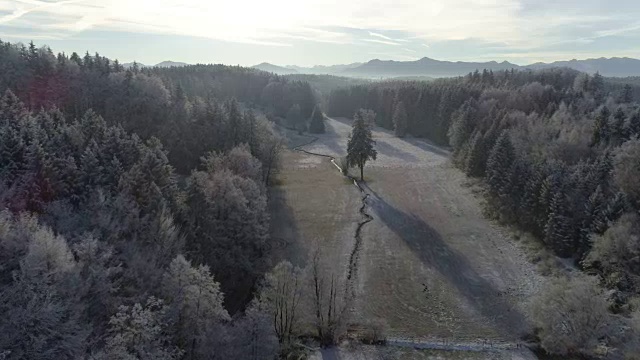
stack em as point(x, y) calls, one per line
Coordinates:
point(325, 32)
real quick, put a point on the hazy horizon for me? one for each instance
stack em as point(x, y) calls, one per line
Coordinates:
point(320, 32)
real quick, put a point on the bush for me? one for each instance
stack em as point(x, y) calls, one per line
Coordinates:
point(374, 332)
point(572, 317)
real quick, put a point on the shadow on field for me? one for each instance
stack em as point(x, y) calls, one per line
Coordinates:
point(330, 139)
point(389, 150)
point(420, 143)
point(433, 251)
point(283, 228)
point(426, 146)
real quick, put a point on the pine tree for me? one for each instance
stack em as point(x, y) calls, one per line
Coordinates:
point(601, 131)
point(360, 146)
point(592, 222)
point(461, 126)
point(627, 94)
point(499, 163)
point(530, 206)
point(316, 125)
point(400, 124)
point(558, 228)
point(474, 164)
point(234, 123)
point(633, 126)
point(617, 126)
point(596, 86)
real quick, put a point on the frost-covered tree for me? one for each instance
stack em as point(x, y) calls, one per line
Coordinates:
point(627, 168)
point(572, 317)
point(228, 229)
point(295, 118)
point(140, 332)
point(40, 307)
point(316, 124)
point(616, 253)
point(360, 146)
point(400, 119)
point(500, 159)
point(195, 300)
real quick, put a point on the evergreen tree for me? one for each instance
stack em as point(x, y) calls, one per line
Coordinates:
point(500, 160)
point(476, 160)
point(558, 234)
point(593, 222)
point(316, 125)
point(596, 86)
point(462, 126)
point(633, 126)
point(627, 94)
point(601, 131)
point(400, 124)
point(360, 146)
point(295, 119)
point(617, 126)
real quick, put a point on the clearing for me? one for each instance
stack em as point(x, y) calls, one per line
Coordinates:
point(429, 265)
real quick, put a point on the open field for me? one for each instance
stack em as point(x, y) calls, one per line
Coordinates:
point(430, 266)
point(370, 352)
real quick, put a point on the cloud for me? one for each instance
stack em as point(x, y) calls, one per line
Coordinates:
point(528, 25)
point(386, 42)
point(380, 36)
point(19, 10)
point(393, 56)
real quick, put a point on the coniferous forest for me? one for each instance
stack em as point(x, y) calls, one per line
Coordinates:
point(135, 223)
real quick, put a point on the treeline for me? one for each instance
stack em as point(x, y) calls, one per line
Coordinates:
point(559, 153)
point(190, 109)
point(134, 219)
point(430, 105)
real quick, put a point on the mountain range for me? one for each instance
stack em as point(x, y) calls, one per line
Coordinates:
point(427, 67)
point(162, 64)
point(612, 67)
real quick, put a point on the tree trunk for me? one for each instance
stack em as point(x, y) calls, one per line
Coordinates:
point(361, 172)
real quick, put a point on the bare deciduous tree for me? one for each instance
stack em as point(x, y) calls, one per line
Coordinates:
point(330, 302)
point(281, 296)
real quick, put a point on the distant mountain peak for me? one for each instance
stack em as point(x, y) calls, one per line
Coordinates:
point(280, 70)
point(166, 63)
point(169, 63)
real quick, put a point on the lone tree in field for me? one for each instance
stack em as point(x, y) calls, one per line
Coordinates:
point(360, 146)
point(400, 120)
point(316, 125)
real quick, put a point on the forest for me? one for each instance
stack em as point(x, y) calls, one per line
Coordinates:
point(135, 219)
